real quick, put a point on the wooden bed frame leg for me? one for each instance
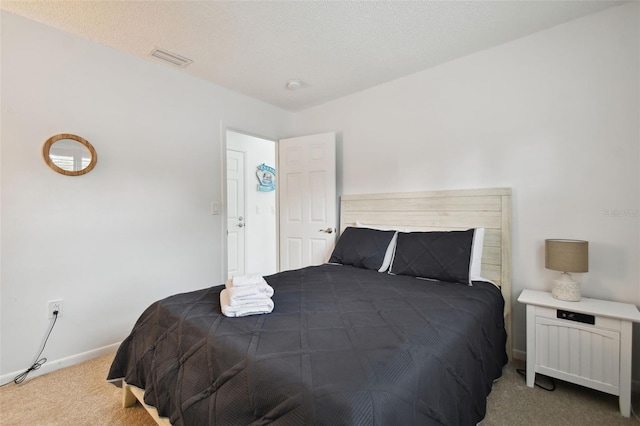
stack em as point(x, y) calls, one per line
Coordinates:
point(131, 395)
point(128, 398)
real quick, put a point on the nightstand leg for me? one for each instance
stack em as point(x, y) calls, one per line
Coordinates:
point(531, 345)
point(625, 368)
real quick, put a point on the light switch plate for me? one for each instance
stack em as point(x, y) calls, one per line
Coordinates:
point(215, 208)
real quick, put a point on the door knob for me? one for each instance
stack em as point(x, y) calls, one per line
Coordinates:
point(240, 225)
point(328, 230)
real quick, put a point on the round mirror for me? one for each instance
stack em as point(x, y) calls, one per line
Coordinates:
point(69, 154)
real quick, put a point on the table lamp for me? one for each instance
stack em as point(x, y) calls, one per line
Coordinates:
point(566, 256)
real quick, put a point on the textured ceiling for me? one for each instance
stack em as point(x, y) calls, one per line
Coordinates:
point(336, 48)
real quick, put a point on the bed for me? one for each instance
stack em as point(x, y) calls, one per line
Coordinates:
point(346, 342)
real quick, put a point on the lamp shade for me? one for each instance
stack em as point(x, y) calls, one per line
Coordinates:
point(566, 255)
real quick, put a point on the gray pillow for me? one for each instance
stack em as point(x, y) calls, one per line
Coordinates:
point(362, 247)
point(438, 255)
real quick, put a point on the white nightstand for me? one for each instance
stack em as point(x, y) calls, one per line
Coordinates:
point(586, 342)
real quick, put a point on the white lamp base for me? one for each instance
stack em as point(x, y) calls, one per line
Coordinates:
point(566, 288)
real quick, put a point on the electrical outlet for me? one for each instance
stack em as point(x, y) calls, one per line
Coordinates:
point(54, 305)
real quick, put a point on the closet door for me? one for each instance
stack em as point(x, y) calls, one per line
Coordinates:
point(235, 213)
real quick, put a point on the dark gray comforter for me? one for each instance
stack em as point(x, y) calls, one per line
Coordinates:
point(343, 346)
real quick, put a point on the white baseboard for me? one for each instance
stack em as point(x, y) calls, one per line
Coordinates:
point(519, 355)
point(51, 366)
point(54, 365)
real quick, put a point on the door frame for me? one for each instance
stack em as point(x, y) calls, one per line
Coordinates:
point(224, 128)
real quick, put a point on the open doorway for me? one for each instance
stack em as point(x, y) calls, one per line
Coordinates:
point(251, 202)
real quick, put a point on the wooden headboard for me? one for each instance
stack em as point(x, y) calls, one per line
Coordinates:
point(446, 210)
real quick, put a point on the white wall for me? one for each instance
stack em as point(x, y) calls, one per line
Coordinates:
point(555, 116)
point(136, 228)
point(260, 207)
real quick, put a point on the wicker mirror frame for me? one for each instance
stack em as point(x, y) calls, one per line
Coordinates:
point(53, 139)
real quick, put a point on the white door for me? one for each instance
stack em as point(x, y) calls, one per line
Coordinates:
point(235, 213)
point(307, 200)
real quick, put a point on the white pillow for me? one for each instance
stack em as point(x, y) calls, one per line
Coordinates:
point(476, 255)
point(386, 262)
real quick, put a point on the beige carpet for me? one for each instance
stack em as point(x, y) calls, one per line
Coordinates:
point(79, 395)
point(512, 403)
point(74, 396)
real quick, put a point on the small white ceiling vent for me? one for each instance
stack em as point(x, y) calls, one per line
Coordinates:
point(172, 58)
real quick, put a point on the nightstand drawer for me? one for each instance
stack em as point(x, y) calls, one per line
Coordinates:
point(600, 322)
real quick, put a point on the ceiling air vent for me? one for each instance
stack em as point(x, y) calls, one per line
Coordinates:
point(172, 58)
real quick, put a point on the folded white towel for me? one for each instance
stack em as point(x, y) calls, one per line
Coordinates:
point(245, 280)
point(264, 307)
point(249, 294)
point(230, 285)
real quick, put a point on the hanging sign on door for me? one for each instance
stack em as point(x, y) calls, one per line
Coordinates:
point(266, 177)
